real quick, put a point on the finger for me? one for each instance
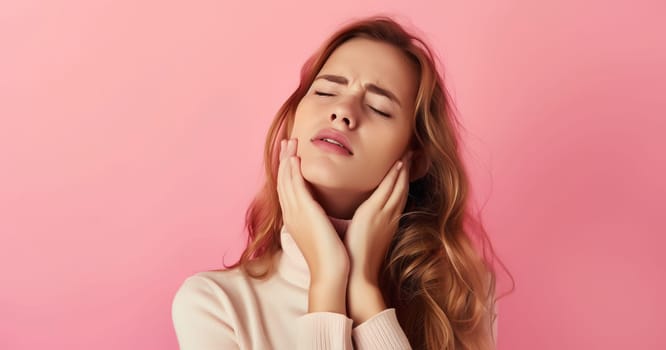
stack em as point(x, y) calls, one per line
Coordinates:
point(292, 191)
point(297, 182)
point(383, 191)
point(298, 186)
point(291, 153)
point(288, 186)
point(292, 145)
point(398, 197)
point(387, 187)
point(280, 184)
point(284, 177)
point(297, 175)
point(284, 164)
point(283, 144)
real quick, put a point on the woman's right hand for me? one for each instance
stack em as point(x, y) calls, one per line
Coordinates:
point(307, 222)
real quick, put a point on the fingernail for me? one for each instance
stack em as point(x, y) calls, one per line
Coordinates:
point(399, 165)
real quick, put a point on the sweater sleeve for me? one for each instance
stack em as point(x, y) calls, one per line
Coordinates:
point(199, 319)
point(381, 331)
point(324, 331)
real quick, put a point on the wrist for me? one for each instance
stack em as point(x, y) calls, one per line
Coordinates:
point(363, 276)
point(328, 268)
point(327, 295)
point(364, 300)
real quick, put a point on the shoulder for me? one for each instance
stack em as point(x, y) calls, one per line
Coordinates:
point(203, 311)
point(209, 305)
point(209, 286)
point(216, 288)
point(224, 291)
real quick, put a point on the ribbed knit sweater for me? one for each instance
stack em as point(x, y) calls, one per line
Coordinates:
point(229, 310)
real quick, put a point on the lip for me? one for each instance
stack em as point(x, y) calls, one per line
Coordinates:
point(334, 135)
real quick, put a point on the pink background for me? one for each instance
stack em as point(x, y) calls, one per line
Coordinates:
point(131, 136)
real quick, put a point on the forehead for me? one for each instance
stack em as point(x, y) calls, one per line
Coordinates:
point(368, 61)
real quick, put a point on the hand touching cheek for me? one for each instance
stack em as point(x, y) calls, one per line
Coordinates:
point(367, 240)
point(375, 222)
point(307, 223)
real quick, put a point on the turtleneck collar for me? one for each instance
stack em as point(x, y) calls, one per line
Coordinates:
point(292, 265)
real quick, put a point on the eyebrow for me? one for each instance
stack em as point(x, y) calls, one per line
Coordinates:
point(371, 87)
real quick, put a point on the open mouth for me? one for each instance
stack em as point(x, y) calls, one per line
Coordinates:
point(331, 145)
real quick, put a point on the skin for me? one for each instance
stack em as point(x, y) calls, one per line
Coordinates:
point(341, 184)
point(369, 187)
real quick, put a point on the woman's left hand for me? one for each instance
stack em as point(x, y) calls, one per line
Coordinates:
point(375, 221)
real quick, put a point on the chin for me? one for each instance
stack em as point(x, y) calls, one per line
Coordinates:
point(325, 176)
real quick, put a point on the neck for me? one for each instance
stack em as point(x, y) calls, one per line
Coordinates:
point(340, 226)
point(338, 203)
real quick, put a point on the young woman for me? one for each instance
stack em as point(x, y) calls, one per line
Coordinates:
point(358, 237)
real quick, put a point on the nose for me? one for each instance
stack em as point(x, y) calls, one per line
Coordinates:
point(344, 112)
point(348, 121)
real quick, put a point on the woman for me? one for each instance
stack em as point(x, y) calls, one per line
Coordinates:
point(357, 236)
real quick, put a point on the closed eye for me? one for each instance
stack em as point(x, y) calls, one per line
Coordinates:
point(319, 93)
point(379, 112)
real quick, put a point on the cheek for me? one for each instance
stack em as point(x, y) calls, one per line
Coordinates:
point(298, 124)
point(302, 130)
point(301, 114)
point(385, 154)
point(389, 145)
point(382, 164)
point(305, 122)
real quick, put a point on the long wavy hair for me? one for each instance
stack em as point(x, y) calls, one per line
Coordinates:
point(442, 287)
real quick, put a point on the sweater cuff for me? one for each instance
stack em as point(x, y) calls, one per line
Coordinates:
point(381, 331)
point(324, 330)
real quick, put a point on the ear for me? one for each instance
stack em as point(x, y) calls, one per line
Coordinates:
point(420, 165)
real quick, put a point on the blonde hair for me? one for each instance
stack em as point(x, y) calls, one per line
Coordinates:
point(443, 290)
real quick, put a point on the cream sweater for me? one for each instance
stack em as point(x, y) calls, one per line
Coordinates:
point(230, 310)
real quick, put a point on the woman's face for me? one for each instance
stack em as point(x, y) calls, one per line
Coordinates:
point(365, 94)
